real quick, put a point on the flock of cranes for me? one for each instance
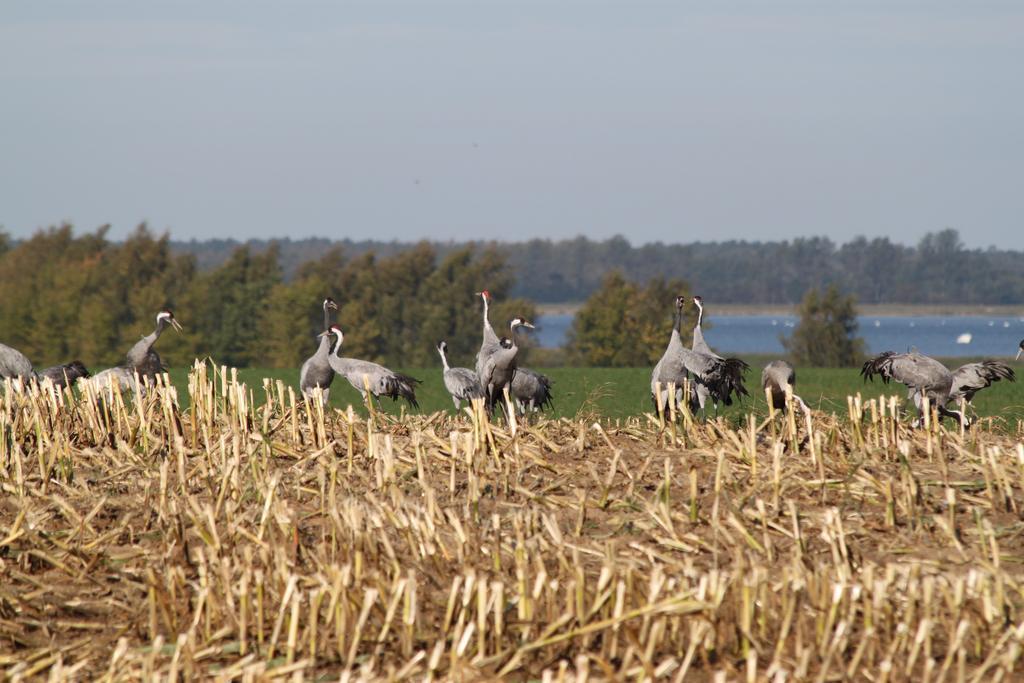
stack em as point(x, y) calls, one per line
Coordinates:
point(707, 376)
point(710, 376)
point(496, 370)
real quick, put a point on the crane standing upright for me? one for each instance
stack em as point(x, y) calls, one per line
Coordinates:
point(499, 367)
point(316, 370)
point(720, 391)
point(489, 343)
point(462, 383)
point(707, 369)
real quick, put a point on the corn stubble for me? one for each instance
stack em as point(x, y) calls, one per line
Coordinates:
point(256, 536)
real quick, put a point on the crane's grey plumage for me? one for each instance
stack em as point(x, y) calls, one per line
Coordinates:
point(717, 391)
point(531, 390)
point(489, 343)
point(142, 358)
point(927, 377)
point(669, 368)
point(462, 383)
point(317, 371)
point(65, 375)
point(776, 376)
point(383, 382)
point(14, 364)
point(971, 378)
point(120, 378)
point(499, 367)
point(709, 370)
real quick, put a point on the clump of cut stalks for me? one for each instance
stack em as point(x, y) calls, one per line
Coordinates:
point(257, 536)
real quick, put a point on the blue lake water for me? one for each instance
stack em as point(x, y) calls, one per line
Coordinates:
point(931, 335)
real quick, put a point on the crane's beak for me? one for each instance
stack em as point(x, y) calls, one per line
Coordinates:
point(175, 324)
point(530, 325)
point(331, 304)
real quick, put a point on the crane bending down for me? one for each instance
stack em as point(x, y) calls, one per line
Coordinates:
point(706, 369)
point(64, 375)
point(718, 391)
point(462, 383)
point(14, 364)
point(776, 376)
point(383, 382)
point(500, 366)
point(531, 390)
point(927, 377)
point(317, 371)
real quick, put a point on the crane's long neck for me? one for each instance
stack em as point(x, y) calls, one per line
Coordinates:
point(327, 317)
point(337, 345)
point(487, 322)
point(161, 325)
point(324, 349)
point(677, 322)
point(700, 315)
point(512, 332)
point(137, 354)
point(444, 358)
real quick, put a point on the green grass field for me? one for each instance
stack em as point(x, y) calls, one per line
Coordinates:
point(620, 392)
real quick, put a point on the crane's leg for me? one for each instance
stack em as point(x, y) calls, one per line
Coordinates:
point(327, 396)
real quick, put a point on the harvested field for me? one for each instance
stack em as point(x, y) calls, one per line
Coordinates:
point(249, 538)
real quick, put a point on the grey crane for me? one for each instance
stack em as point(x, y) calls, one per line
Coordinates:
point(316, 371)
point(499, 367)
point(65, 375)
point(719, 392)
point(462, 383)
point(13, 363)
point(489, 343)
point(709, 370)
point(122, 377)
point(382, 382)
point(531, 390)
point(927, 377)
point(1020, 349)
point(142, 358)
point(776, 376)
point(669, 368)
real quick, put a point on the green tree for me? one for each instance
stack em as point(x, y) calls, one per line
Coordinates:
point(393, 310)
point(826, 336)
point(625, 325)
point(223, 308)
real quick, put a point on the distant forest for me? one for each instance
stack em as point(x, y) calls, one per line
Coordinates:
point(938, 270)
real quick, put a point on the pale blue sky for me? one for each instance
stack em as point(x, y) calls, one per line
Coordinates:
point(661, 121)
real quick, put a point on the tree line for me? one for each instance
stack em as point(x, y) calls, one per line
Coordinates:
point(937, 270)
point(65, 296)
